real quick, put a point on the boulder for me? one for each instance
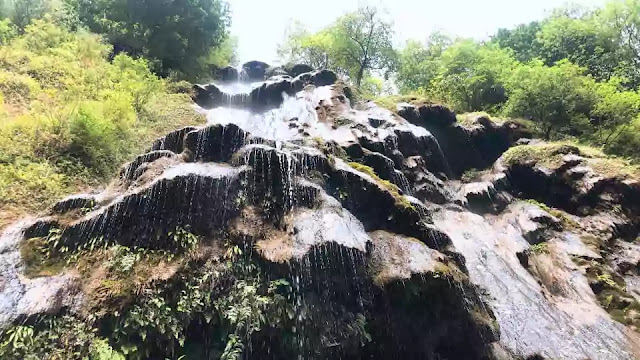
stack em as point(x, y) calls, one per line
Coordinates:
point(227, 74)
point(297, 69)
point(254, 71)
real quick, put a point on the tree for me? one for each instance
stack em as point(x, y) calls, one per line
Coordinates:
point(356, 44)
point(315, 50)
point(363, 42)
point(623, 18)
point(23, 12)
point(522, 40)
point(471, 76)
point(174, 35)
point(615, 111)
point(558, 98)
point(418, 65)
point(584, 42)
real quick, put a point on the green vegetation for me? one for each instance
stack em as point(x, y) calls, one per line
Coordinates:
point(612, 294)
point(142, 28)
point(228, 301)
point(573, 75)
point(70, 117)
point(470, 175)
point(541, 248)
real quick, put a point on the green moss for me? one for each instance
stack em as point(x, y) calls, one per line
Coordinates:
point(541, 248)
point(565, 219)
point(341, 120)
point(470, 175)
point(467, 119)
point(400, 201)
point(35, 253)
point(546, 154)
point(607, 280)
point(592, 241)
point(550, 155)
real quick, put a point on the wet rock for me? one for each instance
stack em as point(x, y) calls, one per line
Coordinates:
point(396, 257)
point(174, 141)
point(254, 71)
point(464, 149)
point(274, 71)
point(130, 171)
point(227, 74)
point(215, 143)
point(489, 195)
point(75, 202)
point(21, 297)
point(200, 195)
point(297, 69)
point(569, 182)
point(571, 327)
point(358, 210)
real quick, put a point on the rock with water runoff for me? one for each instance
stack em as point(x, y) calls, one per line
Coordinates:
point(22, 297)
point(350, 218)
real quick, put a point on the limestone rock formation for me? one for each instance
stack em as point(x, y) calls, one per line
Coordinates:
point(353, 224)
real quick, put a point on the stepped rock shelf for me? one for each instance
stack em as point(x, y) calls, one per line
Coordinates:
point(360, 210)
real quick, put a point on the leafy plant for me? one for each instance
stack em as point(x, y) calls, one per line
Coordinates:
point(182, 239)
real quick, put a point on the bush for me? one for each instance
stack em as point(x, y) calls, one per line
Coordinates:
point(17, 89)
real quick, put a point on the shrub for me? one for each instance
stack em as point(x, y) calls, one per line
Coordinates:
point(17, 89)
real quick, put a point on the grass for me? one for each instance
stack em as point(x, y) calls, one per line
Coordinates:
point(393, 189)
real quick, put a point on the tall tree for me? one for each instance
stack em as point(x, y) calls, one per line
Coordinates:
point(623, 17)
point(22, 12)
point(356, 44)
point(174, 34)
point(363, 42)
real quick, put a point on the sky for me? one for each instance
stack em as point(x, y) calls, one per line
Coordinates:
point(260, 25)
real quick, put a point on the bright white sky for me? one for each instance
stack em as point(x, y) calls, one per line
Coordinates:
point(260, 25)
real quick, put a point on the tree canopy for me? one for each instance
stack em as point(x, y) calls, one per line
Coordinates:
point(174, 35)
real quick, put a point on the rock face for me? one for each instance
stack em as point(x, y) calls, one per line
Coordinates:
point(361, 211)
